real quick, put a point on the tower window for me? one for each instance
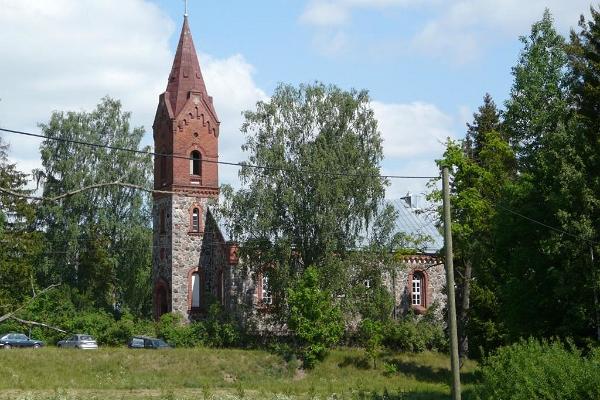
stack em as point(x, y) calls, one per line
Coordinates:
point(418, 289)
point(195, 290)
point(196, 220)
point(195, 163)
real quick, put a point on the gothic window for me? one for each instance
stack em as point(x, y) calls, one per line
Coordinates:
point(418, 289)
point(196, 220)
point(267, 295)
point(195, 163)
point(195, 290)
point(367, 283)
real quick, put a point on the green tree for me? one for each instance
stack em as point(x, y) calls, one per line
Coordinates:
point(315, 322)
point(316, 189)
point(19, 238)
point(481, 166)
point(547, 285)
point(538, 98)
point(97, 228)
point(583, 54)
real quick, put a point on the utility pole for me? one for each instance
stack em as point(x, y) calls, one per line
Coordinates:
point(450, 287)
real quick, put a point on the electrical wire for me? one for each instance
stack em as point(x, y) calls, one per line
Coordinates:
point(228, 163)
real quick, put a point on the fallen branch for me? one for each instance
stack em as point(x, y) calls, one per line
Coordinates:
point(12, 313)
point(23, 321)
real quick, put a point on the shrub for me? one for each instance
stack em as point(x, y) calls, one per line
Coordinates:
point(315, 322)
point(172, 329)
point(414, 335)
point(371, 335)
point(540, 370)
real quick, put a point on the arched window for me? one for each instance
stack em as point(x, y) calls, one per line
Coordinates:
point(418, 289)
point(196, 220)
point(195, 163)
point(267, 295)
point(195, 290)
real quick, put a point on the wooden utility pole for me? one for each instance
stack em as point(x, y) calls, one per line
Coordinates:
point(450, 287)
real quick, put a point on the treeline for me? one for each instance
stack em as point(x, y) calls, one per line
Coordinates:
point(95, 244)
point(526, 198)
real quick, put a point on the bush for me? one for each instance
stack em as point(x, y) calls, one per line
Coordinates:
point(315, 322)
point(172, 329)
point(540, 370)
point(415, 335)
point(371, 335)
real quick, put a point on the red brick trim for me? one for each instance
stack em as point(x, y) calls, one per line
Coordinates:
point(425, 291)
point(195, 270)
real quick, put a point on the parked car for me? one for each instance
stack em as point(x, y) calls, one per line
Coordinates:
point(79, 341)
point(11, 340)
point(144, 342)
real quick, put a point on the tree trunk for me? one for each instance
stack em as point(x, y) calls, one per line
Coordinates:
point(463, 317)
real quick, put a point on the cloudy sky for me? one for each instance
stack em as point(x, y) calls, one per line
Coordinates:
point(426, 63)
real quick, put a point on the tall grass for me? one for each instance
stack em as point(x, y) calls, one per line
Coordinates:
point(200, 373)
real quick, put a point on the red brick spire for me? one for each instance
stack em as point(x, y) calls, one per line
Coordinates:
point(186, 75)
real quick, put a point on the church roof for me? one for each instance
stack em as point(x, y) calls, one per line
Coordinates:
point(413, 221)
point(186, 75)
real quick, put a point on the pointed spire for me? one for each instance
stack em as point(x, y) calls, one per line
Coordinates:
point(185, 74)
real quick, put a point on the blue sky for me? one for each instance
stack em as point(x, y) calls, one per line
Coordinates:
point(426, 63)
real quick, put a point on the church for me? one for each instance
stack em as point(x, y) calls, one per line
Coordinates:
point(193, 262)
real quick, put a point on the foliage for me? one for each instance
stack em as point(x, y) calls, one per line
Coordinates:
point(414, 335)
point(540, 370)
point(20, 242)
point(314, 321)
point(318, 188)
point(213, 331)
point(104, 231)
point(371, 334)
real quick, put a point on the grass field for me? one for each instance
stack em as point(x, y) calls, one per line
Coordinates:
point(199, 373)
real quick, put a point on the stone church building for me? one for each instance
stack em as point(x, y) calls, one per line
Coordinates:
point(193, 262)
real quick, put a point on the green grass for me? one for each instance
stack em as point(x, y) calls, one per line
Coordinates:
point(199, 373)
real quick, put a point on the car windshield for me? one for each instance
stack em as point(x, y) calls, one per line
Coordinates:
point(160, 343)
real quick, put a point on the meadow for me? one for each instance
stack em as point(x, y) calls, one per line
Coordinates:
point(201, 373)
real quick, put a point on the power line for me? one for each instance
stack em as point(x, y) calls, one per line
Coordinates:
point(235, 164)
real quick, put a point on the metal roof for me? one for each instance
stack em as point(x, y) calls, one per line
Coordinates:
point(415, 222)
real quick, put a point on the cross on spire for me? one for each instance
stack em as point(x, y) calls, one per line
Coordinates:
point(185, 14)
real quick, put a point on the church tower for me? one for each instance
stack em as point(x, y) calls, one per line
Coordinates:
point(186, 131)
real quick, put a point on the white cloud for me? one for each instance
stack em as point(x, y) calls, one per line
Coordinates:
point(462, 29)
point(67, 54)
point(456, 31)
point(231, 84)
point(325, 13)
point(413, 138)
point(412, 130)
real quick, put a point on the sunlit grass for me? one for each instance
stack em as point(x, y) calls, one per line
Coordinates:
point(200, 373)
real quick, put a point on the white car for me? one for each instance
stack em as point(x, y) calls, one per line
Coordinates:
point(79, 341)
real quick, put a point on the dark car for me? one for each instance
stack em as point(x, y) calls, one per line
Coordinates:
point(11, 340)
point(144, 342)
